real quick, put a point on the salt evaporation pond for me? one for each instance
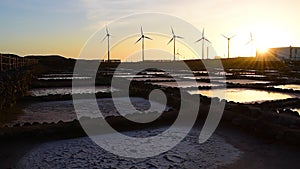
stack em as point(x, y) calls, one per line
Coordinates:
point(64, 78)
point(288, 86)
point(185, 84)
point(84, 153)
point(243, 81)
point(204, 77)
point(243, 95)
point(254, 75)
point(55, 111)
point(296, 110)
point(153, 79)
point(69, 90)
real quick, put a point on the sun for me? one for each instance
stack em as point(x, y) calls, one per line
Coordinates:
point(262, 49)
point(269, 34)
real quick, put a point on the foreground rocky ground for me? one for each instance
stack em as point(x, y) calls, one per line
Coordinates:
point(83, 153)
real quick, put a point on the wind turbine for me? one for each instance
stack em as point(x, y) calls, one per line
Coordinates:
point(178, 54)
point(228, 43)
point(174, 39)
point(203, 39)
point(251, 41)
point(143, 47)
point(107, 36)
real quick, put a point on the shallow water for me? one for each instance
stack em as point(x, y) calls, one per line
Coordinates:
point(204, 77)
point(296, 110)
point(254, 75)
point(64, 78)
point(69, 90)
point(54, 111)
point(60, 75)
point(243, 95)
point(288, 86)
point(153, 79)
point(133, 76)
point(244, 81)
point(185, 84)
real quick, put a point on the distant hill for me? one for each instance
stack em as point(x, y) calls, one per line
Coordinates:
point(54, 63)
point(49, 58)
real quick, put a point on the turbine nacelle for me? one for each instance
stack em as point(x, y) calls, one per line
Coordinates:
point(202, 38)
point(142, 38)
point(174, 36)
point(107, 34)
point(228, 43)
point(228, 38)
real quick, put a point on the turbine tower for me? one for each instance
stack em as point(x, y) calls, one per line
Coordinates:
point(228, 43)
point(174, 39)
point(203, 39)
point(143, 46)
point(108, 50)
point(251, 42)
point(178, 54)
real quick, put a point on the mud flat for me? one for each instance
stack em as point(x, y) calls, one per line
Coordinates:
point(83, 153)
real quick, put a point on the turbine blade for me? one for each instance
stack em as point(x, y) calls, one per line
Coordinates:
point(171, 40)
point(203, 32)
point(172, 31)
point(224, 36)
point(148, 37)
point(104, 38)
point(248, 42)
point(198, 40)
point(142, 33)
point(138, 40)
point(106, 30)
point(180, 37)
point(207, 40)
point(232, 36)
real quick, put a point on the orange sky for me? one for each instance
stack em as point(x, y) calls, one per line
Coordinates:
point(56, 27)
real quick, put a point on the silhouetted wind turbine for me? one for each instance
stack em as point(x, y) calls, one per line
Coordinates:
point(251, 41)
point(228, 43)
point(142, 38)
point(203, 39)
point(108, 50)
point(174, 39)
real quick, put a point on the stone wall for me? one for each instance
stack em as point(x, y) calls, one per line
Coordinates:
point(13, 85)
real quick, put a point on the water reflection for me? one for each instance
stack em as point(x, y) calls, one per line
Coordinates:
point(243, 95)
point(68, 90)
point(204, 77)
point(244, 81)
point(55, 111)
point(254, 75)
point(153, 79)
point(296, 110)
point(288, 86)
point(64, 78)
point(185, 84)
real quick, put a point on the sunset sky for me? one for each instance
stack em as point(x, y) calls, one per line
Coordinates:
point(63, 27)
